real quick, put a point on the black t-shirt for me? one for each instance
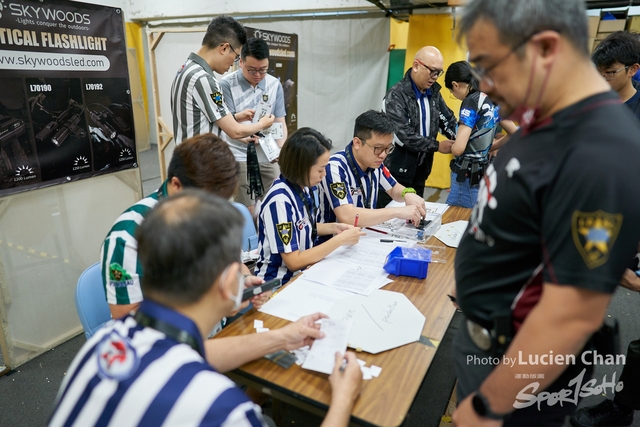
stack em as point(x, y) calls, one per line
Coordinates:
point(634, 104)
point(559, 205)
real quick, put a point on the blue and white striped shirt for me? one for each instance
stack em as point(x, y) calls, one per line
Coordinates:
point(129, 375)
point(284, 226)
point(341, 187)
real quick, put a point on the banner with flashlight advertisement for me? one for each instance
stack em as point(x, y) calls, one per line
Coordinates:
point(65, 100)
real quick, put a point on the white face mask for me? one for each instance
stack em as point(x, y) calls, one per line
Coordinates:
point(237, 302)
point(237, 298)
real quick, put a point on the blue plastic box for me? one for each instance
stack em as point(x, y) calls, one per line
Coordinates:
point(412, 262)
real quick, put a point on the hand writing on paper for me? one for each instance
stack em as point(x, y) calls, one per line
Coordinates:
point(346, 383)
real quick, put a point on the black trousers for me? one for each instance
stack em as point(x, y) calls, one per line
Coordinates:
point(471, 372)
point(424, 163)
point(630, 395)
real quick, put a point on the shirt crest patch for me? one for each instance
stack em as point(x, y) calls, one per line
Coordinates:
point(594, 234)
point(117, 359)
point(284, 231)
point(118, 276)
point(217, 98)
point(339, 189)
point(265, 97)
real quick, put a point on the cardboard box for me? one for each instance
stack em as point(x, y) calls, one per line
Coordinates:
point(590, 44)
point(602, 36)
point(633, 24)
point(611, 25)
point(594, 21)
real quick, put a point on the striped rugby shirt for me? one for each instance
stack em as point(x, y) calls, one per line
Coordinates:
point(283, 227)
point(129, 375)
point(121, 271)
point(341, 187)
point(196, 100)
point(238, 95)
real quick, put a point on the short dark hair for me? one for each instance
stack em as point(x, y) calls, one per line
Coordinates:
point(461, 72)
point(515, 20)
point(255, 48)
point(224, 29)
point(301, 151)
point(185, 243)
point(373, 122)
point(621, 46)
point(205, 161)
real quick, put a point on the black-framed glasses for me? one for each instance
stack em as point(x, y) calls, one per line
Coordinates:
point(433, 72)
point(237, 58)
point(254, 71)
point(610, 75)
point(482, 74)
point(379, 150)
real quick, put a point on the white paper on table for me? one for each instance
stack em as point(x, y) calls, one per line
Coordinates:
point(346, 276)
point(450, 234)
point(322, 356)
point(430, 207)
point(365, 254)
point(302, 298)
point(258, 324)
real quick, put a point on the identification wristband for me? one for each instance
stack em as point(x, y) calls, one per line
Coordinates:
point(408, 190)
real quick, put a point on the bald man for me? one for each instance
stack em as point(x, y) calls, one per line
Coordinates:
point(418, 111)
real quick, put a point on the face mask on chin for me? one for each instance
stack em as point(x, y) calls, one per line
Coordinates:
point(237, 298)
point(527, 116)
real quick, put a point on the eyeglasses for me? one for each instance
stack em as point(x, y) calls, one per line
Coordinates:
point(237, 58)
point(482, 74)
point(610, 75)
point(378, 150)
point(253, 71)
point(434, 73)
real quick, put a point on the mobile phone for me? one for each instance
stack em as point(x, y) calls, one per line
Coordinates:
point(249, 293)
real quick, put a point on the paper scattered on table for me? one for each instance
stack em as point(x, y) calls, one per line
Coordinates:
point(450, 234)
point(258, 324)
point(347, 277)
point(301, 354)
point(361, 362)
point(302, 298)
point(430, 207)
point(322, 356)
point(375, 370)
point(261, 330)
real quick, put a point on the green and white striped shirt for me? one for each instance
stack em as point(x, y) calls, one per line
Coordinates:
point(121, 270)
point(196, 100)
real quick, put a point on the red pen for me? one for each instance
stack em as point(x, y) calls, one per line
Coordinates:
point(355, 223)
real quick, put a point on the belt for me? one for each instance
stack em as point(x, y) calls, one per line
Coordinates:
point(480, 335)
point(497, 340)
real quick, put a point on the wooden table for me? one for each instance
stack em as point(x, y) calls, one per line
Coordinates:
point(385, 400)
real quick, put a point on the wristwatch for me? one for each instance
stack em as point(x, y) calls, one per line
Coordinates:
point(481, 406)
point(408, 190)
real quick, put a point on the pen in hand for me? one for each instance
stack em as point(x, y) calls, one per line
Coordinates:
point(355, 223)
point(344, 361)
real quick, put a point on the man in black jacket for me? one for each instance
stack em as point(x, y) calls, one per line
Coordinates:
point(416, 107)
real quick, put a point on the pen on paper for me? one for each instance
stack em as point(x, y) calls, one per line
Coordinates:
point(391, 241)
point(355, 223)
point(344, 365)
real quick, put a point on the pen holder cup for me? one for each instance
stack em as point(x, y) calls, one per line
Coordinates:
point(412, 262)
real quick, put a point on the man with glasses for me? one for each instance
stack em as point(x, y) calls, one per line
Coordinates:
point(555, 222)
point(355, 175)
point(617, 58)
point(243, 90)
point(415, 105)
point(197, 103)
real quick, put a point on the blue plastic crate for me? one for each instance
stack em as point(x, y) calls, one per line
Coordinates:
point(412, 262)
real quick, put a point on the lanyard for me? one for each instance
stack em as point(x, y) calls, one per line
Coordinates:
point(169, 330)
point(356, 175)
point(310, 207)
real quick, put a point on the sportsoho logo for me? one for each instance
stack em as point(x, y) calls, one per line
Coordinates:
point(272, 37)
